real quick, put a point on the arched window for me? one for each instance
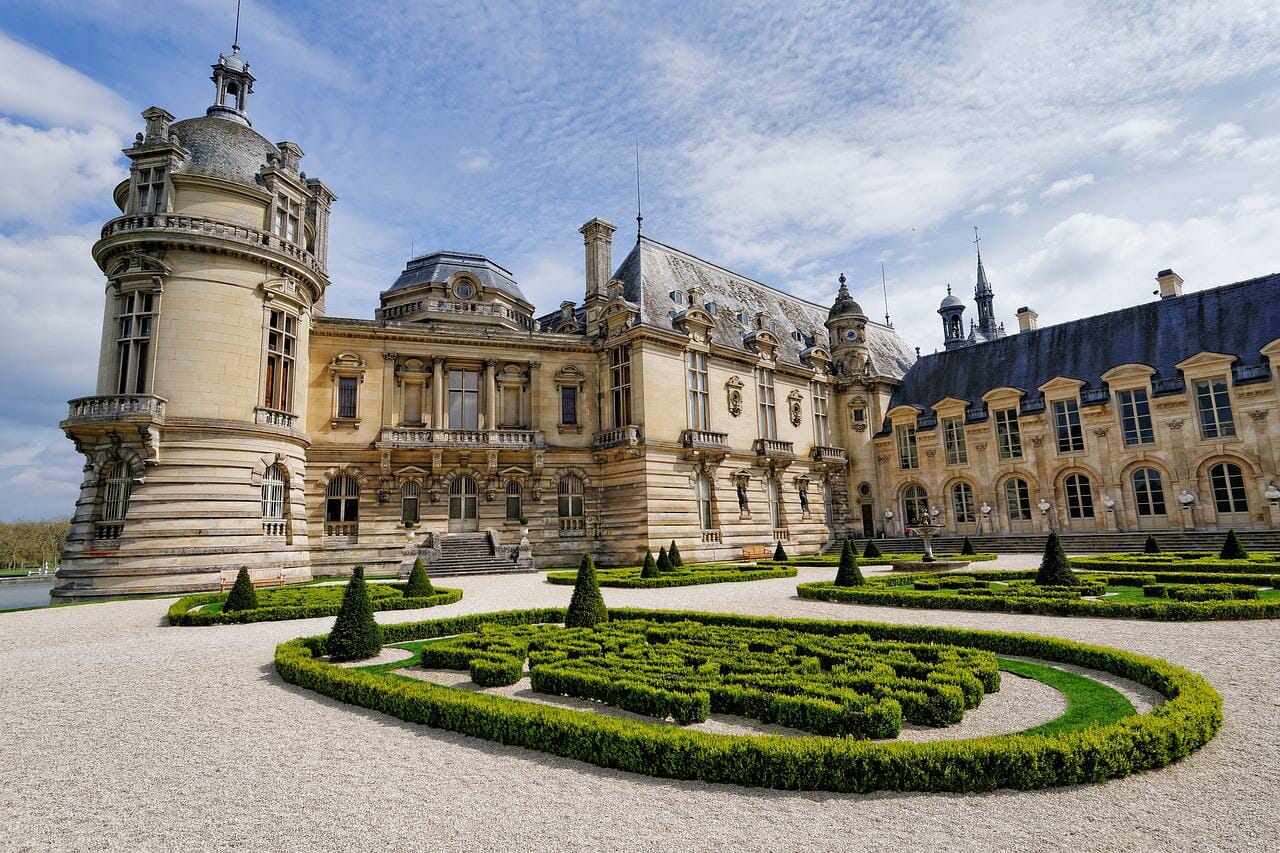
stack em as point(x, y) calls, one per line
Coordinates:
point(703, 488)
point(1017, 499)
point(409, 503)
point(117, 486)
point(1148, 492)
point(1228, 488)
point(273, 493)
point(915, 505)
point(342, 499)
point(570, 497)
point(1079, 496)
point(962, 503)
point(515, 509)
point(775, 507)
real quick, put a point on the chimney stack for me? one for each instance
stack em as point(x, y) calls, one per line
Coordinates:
point(1026, 319)
point(597, 235)
point(1170, 283)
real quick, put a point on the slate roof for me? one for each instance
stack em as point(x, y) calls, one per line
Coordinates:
point(652, 271)
point(438, 267)
point(1237, 319)
point(219, 148)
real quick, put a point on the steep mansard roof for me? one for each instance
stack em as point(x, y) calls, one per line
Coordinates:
point(653, 271)
point(1236, 319)
point(439, 267)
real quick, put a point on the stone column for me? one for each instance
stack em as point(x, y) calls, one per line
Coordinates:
point(437, 393)
point(389, 414)
point(491, 394)
point(531, 390)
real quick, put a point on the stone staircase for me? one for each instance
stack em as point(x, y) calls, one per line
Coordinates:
point(469, 554)
point(1079, 543)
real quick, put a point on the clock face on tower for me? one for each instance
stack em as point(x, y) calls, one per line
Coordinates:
point(851, 335)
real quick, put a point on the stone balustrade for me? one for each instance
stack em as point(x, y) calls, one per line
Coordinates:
point(199, 225)
point(116, 407)
point(623, 436)
point(772, 447)
point(829, 455)
point(272, 417)
point(702, 438)
point(514, 439)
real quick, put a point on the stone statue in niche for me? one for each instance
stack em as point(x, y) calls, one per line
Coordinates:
point(742, 498)
point(793, 406)
point(734, 389)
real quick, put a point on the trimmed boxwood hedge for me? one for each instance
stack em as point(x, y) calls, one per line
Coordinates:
point(694, 575)
point(1188, 719)
point(881, 560)
point(1259, 562)
point(384, 596)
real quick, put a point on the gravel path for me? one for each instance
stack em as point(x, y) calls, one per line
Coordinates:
point(119, 734)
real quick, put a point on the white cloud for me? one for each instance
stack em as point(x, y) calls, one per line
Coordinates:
point(1066, 186)
point(981, 209)
point(49, 174)
point(1015, 209)
point(62, 96)
point(474, 160)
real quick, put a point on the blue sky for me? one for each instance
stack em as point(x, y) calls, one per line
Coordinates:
point(1092, 144)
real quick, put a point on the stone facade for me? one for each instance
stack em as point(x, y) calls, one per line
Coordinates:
point(234, 423)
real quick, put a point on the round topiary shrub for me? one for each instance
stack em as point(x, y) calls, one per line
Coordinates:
point(1232, 549)
point(849, 574)
point(586, 607)
point(871, 552)
point(1055, 570)
point(419, 585)
point(650, 568)
point(673, 554)
point(355, 635)
point(779, 554)
point(242, 596)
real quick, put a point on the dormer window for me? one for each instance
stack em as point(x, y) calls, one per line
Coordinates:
point(712, 308)
point(798, 337)
point(288, 219)
point(744, 319)
point(151, 190)
point(677, 297)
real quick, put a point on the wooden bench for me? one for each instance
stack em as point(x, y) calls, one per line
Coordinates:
point(756, 552)
point(279, 580)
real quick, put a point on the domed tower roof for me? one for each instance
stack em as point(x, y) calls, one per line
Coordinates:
point(951, 301)
point(223, 149)
point(844, 306)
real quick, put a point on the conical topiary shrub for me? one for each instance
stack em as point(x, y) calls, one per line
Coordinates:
point(355, 634)
point(650, 568)
point(242, 596)
point(664, 562)
point(1151, 546)
point(966, 549)
point(419, 585)
point(1232, 549)
point(871, 552)
point(586, 607)
point(778, 553)
point(673, 554)
point(1055, 570)
point(849, 574)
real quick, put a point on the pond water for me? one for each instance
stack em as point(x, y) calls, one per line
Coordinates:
point(24, 594)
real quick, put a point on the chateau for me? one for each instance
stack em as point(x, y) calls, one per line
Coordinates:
point(235, 423)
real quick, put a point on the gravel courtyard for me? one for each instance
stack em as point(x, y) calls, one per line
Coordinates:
point(117, 733)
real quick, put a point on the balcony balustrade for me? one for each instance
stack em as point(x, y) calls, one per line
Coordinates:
point(134, 408)
point(829, 455)
point(271, 417)
point(712, 537)
point(704, 439)
point(573, 526)
point(623, 436)
point(213, 228)
point(773, 448)
point(514, 439)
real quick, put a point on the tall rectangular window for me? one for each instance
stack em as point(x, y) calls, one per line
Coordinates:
point(347, 397)
point(1008, 434)
point(151, 190)
point(569, 405)
point(908, 456)
point(282, 343)
point(1214, 405)
point(1135, 417)
point(288, 221)
point(821, 426)
point(133, 342)
point(953, 441)
point(464, 399)
point(768, 410)
point(1066, 421)
point(699, 414)
point(620, 384)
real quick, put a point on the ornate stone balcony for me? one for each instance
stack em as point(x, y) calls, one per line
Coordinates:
point(623, 436)
point(200, 226)
point(115, 408)
point(834, 456)
point(704, 444)
point(512, 439)
point(772, 448)
point(271, 417)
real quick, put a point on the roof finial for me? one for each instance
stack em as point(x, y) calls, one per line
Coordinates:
point(844, 290)
point(977, 241)
point(235, 42)
point(639, 218)
point(885, 286)
point(948, 288)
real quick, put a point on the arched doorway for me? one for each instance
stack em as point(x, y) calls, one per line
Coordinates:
point(1230, 500)
point(915, 505)
point(1149, 499)
point(462, 505)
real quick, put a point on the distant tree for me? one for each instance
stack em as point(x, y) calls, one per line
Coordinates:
point(1151, 546)
point(419, 585)
point(650, 568)
point(966, 549)
point(872, 552)
point(664, 562)
point(242, 596)
point(355, 635)
point(673, 554)
point(1232, 549)
point(849, 574)
point(778, 553)
point(586, 607)
point(1055, 569)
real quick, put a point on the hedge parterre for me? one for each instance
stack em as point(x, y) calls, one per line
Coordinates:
point(881, 560)
point(1171, 596)
point(1188, 719)
point(1259, 562)
point(846, 685)
point(301, 602)
point(631, 577)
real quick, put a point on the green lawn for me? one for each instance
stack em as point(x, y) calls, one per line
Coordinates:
point(1089, 702)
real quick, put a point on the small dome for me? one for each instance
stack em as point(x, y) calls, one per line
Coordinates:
point(950, 302)
point(219, 148)
point(235, 62)
point(844, 305)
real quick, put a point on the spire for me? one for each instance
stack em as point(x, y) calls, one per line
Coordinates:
point(233, 82)
point(987, 329)
point(639, 218)
point(983, 286)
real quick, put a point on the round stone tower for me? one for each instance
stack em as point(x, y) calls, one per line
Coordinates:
point(193, 443)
